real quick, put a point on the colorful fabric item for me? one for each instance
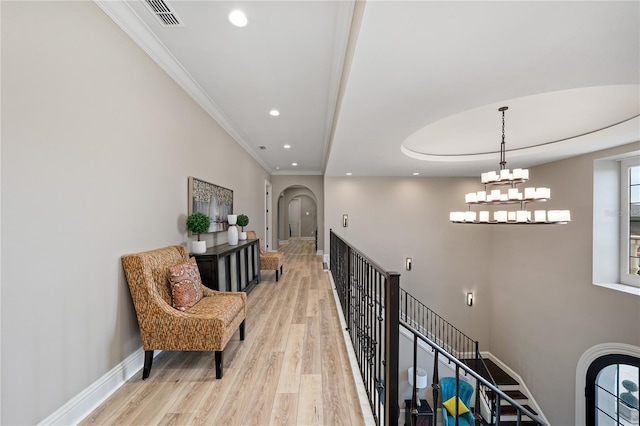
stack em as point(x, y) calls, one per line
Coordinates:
point(186, 284)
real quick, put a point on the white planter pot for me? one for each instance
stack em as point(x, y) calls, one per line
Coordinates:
point(242, 236)
point(198, 247)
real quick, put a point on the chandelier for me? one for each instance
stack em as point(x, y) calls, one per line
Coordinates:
point(494, 196)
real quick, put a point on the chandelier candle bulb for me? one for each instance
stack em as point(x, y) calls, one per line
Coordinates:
point(529, 193)
point(525, 174)
point(540, 216)
point(522, 216)
point(495, 194)
point(511, 216)
point(470, 216)
point(517, 174)
point(456, 216)
point(513, 193)
point(504, 174)
point(543, 193)
point(471, 197)
point(492, 176)
point(500, 216)
point(553, 215)
point(504, 197)
point(484, 177)
point(484, 216)
point(481, 196)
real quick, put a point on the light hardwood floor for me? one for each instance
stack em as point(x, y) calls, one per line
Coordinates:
point(292, 368)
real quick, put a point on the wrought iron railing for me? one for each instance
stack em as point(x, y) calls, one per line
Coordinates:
point(374, 308)
point(481, 385)
point(447, 336)
point(369, 299)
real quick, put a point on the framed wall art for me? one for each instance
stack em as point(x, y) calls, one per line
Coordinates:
point(212, 200)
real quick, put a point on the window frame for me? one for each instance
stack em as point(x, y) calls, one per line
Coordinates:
point(625, 218)
point(607, 218)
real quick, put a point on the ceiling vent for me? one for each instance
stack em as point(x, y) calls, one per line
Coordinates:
point(163, 13)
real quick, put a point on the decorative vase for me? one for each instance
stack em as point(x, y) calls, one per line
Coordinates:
point(242, 236)
point(232, 233)
point(198, 247)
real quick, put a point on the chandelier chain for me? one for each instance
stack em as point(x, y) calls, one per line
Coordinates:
point(503, 156)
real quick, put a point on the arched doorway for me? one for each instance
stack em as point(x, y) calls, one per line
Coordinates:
point(612, 383)
point(297, 214)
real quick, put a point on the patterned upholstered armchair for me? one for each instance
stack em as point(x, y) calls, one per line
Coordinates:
point(269, 261)
point(207, 325)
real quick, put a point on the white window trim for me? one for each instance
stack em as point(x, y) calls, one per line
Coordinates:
point(585, 361)
point(625, 215)
point(607, 223)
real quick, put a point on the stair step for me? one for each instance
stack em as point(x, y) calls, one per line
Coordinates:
point(510, 410)
point(501, 377)
point(513, 394)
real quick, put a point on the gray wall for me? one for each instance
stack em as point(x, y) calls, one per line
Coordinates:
point(308, 222)
point(97, 145)
point(391, 219)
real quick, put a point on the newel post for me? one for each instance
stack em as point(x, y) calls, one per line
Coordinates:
point(392, 333)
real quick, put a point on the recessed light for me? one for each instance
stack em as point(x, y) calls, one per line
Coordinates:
point(294, 164)
point(274, 113)
point(286, 146)
point(277, 168)
point(416, 174)
point(349, 174)
point(238, 18)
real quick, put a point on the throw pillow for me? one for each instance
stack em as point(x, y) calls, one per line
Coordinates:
point(450, 405)
point(185, 283)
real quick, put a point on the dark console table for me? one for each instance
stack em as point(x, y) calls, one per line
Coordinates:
point(424, 416)
point(208, 264)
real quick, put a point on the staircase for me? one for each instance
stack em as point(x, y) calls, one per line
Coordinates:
point(508, 385)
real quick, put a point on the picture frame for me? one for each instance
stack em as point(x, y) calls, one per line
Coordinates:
point(213, 200)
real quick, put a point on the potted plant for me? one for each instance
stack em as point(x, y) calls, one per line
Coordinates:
point(243, 220)
point(629, 402)
point(198, 223)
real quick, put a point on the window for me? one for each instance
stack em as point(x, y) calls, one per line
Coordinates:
point(612, 391)
point(630, 221)
point(616, 201)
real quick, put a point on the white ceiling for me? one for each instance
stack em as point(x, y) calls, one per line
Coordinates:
point(389, 88)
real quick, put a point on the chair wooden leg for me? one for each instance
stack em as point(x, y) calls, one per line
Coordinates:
point(276, 275)
point(148, 360)
point(219, 364)
point(242, 330)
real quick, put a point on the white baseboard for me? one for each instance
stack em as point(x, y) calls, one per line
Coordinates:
point(319, 253)
point(80, 406)
point(283, 242)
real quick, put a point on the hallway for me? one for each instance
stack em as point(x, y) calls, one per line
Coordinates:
point(292, 368)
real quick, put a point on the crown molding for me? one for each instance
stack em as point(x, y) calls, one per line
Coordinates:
point(129, 21)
